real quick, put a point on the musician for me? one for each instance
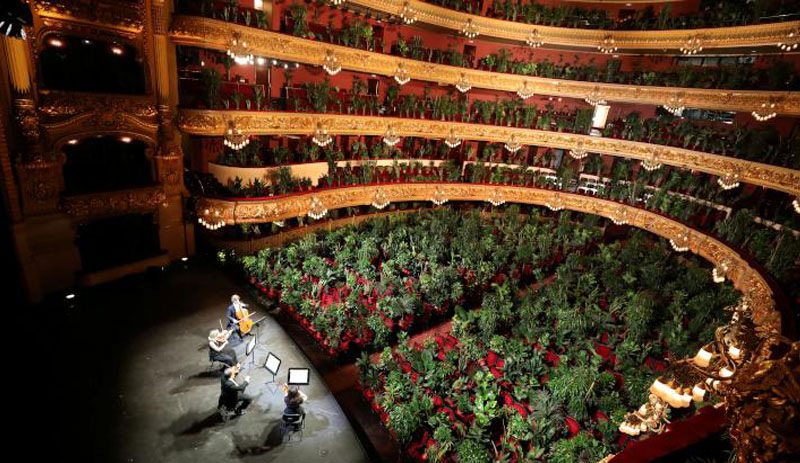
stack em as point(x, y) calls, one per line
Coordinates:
point(233, 320)
point(293, 399)
point(232, 396)
point(218, 349)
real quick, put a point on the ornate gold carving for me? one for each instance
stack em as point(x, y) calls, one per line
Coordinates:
point(763, 405)
point(71, 113)
point(206, 122)
point(40, 184)
point(748, 280)
point(169, 168)
point(718, 37)
point(210, 33)
point(114, 202)
point(127, 17)
point(27, 119)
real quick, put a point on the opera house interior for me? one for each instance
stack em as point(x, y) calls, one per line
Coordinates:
point(452, 231)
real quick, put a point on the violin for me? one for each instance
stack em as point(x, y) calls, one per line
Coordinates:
point(244, 322)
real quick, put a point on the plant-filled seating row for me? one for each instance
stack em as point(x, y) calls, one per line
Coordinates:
point(360, 286)
point(759, 145)
point(548, 373)
point(711, 13)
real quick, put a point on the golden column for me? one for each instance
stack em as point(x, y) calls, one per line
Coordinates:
point(176, 238)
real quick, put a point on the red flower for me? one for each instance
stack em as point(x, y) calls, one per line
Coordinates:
point(520, 409)
point(551, 357)
point(600, 416)
point(497, 373)
point(573, 426)
point(405, 367)
point(491, 358)
point(604, 352)
point(437, 401)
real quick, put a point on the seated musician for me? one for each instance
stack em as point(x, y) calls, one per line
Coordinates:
point(232, 396)
point(218, 349)
point(293, 399)
point(233, 319)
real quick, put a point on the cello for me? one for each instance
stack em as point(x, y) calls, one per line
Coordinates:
point(243, 320)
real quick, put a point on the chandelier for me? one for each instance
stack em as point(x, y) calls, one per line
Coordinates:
point(579, 152)
point(652, 163)
point(728, 181)
point(401, 76)
point(317, 209)
point(390, 137)
point(408, 14)
point(497, 198)
point(336, 2)
point(280, 223)
point(595, 97)
point(452, 140)
point(620, 216)
point(321, 136)
point(380, 200)
point(524, 92)
point(765, 112)
point(681, 242)
point(239, 52)
point(512, 145)
point(470, 29)
point(675, 104)
point(438, 197)
point(463, 85)
point(534, 39)
point(692, 45)
point(791, 42)
point(608, 45)
point(719, 272)
point(796, 205)
point(331, 63)
point(234, 138)
point(556, 204)
point(211, 219)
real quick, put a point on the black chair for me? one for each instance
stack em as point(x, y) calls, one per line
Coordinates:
point(225, 413)
point(292, 423)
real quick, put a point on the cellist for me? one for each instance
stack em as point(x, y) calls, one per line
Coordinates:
point(238, 317)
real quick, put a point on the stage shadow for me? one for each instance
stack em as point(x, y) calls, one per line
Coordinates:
point(271, 438)
point(196, 380)
point(193, 429)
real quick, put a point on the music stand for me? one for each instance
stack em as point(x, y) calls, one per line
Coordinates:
point(250, 350)
point(298, 376)
point(272, 364)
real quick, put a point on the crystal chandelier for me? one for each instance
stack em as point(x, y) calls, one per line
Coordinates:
point(728, 181)
point(681, 242)
point(791, 42)
point(390, 137)
point(452, 140)
point(336, 2)
point(497, 198)
point(234, 138)
point(675, 104)
point(720, 271)
point(401, 76)
point(579, 152)
point(317, 209)
point(239, 52)
point(765, 112)
point(524, 92)
point(211, 219)
point(595, 97)
point(438, 197)
point(649, 418)
point(692, 45)
point(534, 39)
point(796, 205)
point(408, 14)
point(463, 85)
point(321, 136)
point(608, 45)
point(556, 204)
point(620, 216)
point(280, 223)
point(652, 163)
point(380, 200)
point(512, 145)
point(331, 63)
point(470, 29)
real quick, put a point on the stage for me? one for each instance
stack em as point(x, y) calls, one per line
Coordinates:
point(134, 383)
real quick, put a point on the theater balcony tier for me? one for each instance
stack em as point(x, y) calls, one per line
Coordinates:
point(746, 278)
point(720, 38)
point(216, 122)
point(217, 35)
